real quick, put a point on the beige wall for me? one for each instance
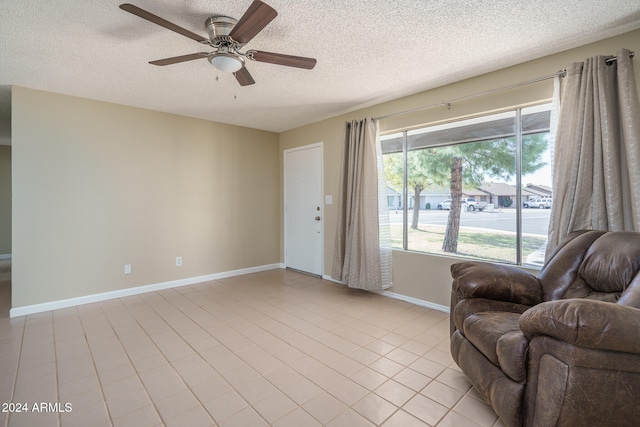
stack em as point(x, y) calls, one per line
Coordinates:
point(424, 276)
point(97, 186)
point(5, 200)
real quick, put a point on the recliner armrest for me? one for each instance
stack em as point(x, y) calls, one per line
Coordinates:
point(472, 279)
point(585, 323)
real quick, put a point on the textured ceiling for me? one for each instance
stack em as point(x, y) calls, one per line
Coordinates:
point(368, 51)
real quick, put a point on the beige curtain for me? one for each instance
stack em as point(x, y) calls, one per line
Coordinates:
point(362, 255)
point(597, 149)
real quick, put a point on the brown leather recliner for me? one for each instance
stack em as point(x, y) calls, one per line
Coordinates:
point(560, 349)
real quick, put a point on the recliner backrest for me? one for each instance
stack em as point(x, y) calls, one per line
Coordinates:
point(596, 265)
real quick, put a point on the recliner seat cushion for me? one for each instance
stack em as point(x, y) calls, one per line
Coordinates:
point(484, 330)
point(471, 306)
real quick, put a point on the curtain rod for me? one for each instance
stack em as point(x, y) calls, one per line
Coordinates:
point(488, 92)
point(608, 61)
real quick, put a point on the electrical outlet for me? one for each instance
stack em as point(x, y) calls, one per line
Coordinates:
point(178, 261)
point(127, 269)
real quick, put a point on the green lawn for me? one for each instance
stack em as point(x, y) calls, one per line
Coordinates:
point(495, 246)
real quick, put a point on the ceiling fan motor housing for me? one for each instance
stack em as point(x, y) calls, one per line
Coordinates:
point(220, 26)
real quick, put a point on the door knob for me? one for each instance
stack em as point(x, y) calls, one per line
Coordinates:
point(317, 218)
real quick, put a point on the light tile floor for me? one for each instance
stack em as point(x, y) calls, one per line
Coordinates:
point(272, 348)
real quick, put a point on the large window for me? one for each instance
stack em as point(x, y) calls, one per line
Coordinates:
point(478, 188)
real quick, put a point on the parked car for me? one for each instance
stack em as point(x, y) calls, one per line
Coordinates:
point(467, 203)
point(446, 205)
point(473, 204)
point(541, 203)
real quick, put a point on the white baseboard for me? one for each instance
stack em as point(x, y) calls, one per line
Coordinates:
point(104, 296)
point(394, 295)
point(331, 279)
point(416, 301)
point(5, 256)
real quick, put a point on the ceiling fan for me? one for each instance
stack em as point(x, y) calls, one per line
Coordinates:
point(227, 36)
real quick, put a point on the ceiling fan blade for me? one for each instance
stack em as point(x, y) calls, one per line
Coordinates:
point(253, 21)
point(243, 77)
point(161, 21)
point(177, 59)
point(280, 59)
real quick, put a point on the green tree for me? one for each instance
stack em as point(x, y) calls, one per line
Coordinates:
point(472, 163)
point(417, 176)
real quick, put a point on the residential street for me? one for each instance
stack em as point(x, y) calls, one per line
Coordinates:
point(534, 221)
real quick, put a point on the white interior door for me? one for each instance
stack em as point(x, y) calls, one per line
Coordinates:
point(303, 210)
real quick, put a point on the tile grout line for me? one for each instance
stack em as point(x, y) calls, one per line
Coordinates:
point(213, 367)
point(346, 377)
point(163, 355)
point(95, 368)
point(253, 369)
point(15, 377)
point(153, 403)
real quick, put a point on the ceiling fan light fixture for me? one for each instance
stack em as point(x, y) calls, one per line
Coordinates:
point(226, 62)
